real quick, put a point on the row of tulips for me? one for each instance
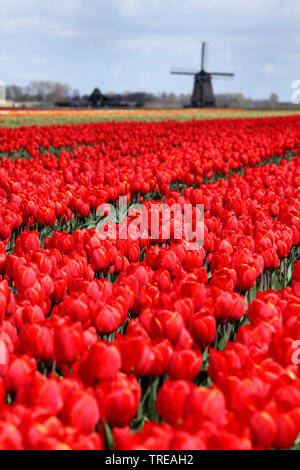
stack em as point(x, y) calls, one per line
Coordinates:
point(88, 383)
point(254, 402)
point(61, 382)
point(100, 162)
point(240, 260)
point(258, 138)
point(126, 342)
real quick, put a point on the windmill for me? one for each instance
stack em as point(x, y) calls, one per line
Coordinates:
point(203, 95)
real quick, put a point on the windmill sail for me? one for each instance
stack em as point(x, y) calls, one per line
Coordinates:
point(202, 55)
point(222, 74)
point(182, 72)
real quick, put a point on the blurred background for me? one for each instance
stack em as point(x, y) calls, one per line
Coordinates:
point(56, 53)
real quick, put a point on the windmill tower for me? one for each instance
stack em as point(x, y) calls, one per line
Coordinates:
point(203, 95)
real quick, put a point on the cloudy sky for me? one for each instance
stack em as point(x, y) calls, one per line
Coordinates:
point(121, 45)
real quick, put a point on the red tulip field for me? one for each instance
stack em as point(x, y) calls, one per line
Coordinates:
point(115, 337)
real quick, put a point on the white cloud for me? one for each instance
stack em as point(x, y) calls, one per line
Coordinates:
point(69, 33)
point(117, 72)
point(128, 7)
point(40, 61)
point(67, 7)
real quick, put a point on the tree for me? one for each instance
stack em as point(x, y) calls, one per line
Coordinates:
point(231, 100)
point(49, 91)
point(14, 92)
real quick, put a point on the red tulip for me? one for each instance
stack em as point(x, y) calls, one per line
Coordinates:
point(103, 362)
point(68, 343)
point(118, 399)
point(171, 401)
point(185, 364)
point(166, 324)
point(203, 329)
point(81, 411)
